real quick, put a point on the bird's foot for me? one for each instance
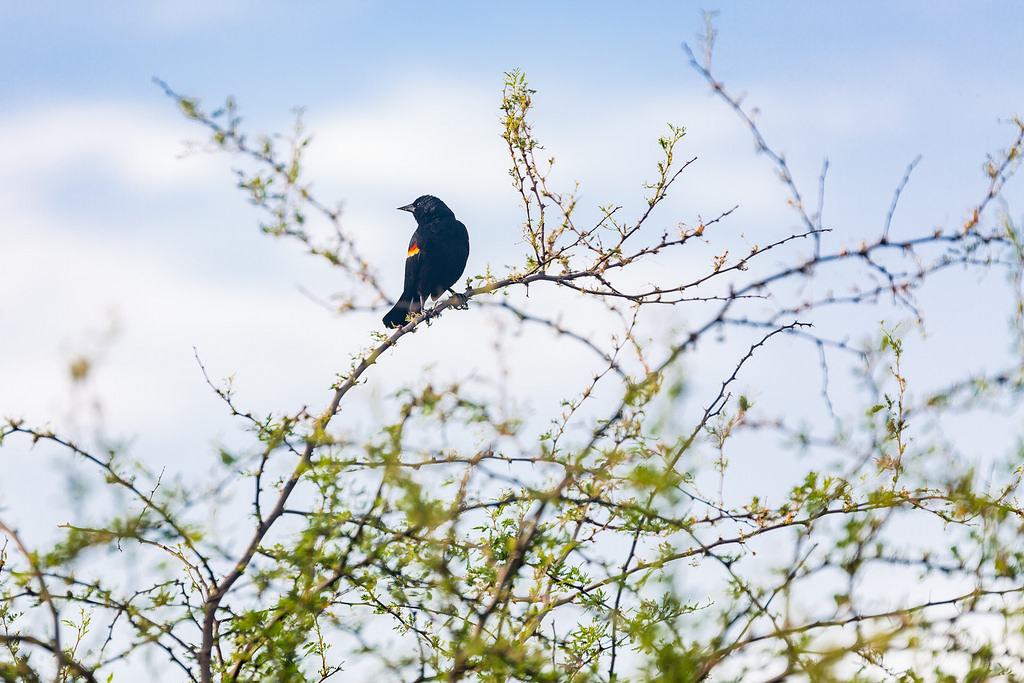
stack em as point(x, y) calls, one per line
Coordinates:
point(463, 304)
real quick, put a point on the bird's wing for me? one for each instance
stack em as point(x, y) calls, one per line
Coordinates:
point(412, 268)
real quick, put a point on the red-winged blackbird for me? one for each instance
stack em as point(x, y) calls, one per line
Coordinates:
point(437, 256)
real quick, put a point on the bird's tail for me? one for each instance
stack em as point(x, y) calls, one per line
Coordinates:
point(402, 310)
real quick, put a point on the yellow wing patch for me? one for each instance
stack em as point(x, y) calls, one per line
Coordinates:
point(413, 250)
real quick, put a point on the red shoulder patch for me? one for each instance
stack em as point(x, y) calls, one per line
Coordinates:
point(413, 250)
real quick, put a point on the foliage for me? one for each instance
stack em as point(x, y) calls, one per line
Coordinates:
point(602, 546)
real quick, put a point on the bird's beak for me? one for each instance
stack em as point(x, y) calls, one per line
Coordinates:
point(407, 207)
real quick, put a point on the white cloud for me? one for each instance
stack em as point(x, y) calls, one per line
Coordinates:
point(140, 146)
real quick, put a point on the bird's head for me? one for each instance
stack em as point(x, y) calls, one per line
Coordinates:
point(426, 208)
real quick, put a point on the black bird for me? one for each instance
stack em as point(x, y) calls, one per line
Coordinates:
point(436, 258)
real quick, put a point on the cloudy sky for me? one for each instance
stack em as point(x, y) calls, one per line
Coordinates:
point(116, 246)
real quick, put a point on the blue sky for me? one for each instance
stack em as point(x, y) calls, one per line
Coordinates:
point(106, 228)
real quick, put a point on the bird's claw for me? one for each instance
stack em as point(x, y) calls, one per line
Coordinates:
point(463, 304)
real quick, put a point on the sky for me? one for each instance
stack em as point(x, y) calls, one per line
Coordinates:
point(117, 245)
